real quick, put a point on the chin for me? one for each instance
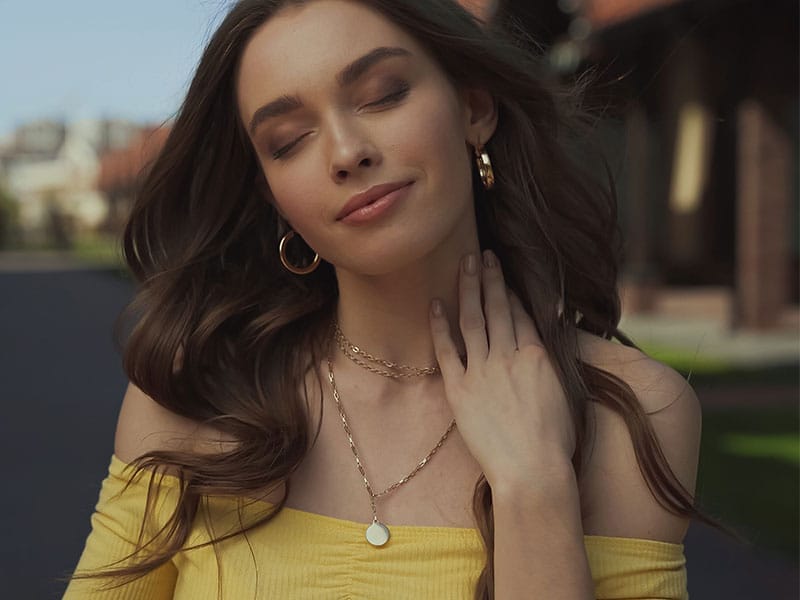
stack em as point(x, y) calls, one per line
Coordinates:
point(392, 259)
point(402, 244)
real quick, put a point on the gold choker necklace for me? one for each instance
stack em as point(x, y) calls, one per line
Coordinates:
point(369, 362)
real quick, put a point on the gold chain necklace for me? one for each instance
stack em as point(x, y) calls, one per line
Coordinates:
point(390, 369)
point(377, 533)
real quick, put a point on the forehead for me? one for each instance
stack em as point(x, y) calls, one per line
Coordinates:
point(306, 45)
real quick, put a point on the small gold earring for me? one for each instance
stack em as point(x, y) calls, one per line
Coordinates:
point(484, 166)
point(289, 266)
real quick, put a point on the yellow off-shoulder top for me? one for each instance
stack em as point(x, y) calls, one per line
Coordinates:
point(302, 555)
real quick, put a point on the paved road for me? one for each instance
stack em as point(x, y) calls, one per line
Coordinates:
point(62, 384)
point(61, 388)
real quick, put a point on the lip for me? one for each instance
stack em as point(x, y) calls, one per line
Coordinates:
point(369, 196)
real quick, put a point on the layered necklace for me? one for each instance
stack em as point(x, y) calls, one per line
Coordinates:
point(378, 533)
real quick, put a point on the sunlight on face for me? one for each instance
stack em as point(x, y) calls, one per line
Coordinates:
point(337, 99)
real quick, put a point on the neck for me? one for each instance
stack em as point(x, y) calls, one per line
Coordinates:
point(388, 315)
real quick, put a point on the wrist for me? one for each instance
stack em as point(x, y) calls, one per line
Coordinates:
point(551, 480)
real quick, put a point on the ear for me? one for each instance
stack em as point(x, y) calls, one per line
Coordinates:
point(480, 116)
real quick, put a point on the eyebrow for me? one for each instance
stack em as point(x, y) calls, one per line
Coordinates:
point(347, 76)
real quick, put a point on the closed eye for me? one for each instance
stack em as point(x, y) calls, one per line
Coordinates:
point(395, 96)
point(281, 151)
point(401, 93)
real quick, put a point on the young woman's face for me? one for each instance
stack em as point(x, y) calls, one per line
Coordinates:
point(336, 100)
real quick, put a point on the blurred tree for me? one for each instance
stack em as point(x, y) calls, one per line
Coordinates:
point(9, 220)
point(58, 226)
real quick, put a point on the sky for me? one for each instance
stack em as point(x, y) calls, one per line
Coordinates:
point(72, 59)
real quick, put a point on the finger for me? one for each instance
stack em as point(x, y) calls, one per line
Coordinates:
point(470, 317)
point(496, 306)
point(443, 345)
point(524, 326)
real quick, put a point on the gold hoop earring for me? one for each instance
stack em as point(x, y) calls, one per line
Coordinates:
point(285, 261)
point(484, 166)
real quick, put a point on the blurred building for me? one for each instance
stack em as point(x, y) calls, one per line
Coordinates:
point(121, 171)
point(702, 131)
point(51, 170)
point(700, 99)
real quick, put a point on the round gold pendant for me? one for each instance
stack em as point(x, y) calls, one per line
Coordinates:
point(377, 533)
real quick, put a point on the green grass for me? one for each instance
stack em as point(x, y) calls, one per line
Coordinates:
point(749, 475)
point(688, 361)
point(706, 371)
point(779, 447)
point(98, 249)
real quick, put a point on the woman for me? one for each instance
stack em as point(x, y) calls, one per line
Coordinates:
point(373, 332)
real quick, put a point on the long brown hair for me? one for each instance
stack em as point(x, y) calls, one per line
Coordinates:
point(225, 336)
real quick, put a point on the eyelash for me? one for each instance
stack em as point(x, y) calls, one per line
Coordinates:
point(399, 94)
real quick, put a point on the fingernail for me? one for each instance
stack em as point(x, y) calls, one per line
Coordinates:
point(489, 260)
point(471, 264)
point(436, 308)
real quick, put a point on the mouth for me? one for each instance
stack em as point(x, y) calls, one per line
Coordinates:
point(360, 202)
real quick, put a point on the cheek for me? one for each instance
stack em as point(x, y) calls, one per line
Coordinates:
point(441, 147)
point(433, 134)
point(296, 193)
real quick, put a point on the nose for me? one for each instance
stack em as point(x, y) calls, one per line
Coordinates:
point(352, 152)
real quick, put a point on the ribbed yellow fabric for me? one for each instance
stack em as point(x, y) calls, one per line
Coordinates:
point(301, 555)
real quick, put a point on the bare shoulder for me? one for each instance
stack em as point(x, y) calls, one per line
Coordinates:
point(144, 426)
point(656, 385)
point(616, 498)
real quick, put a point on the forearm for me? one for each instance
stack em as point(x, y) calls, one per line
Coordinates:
point(538, 540)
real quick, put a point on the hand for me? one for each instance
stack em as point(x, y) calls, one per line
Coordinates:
point(508, 403)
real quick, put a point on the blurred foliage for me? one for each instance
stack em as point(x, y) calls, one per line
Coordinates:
point(9, 220)
point(58, 228)
point(99, 249)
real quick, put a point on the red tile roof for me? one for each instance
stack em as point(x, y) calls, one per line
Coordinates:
point(120, 169)
point(604, 13)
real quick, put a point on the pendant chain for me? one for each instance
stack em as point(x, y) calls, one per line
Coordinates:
point(378, 533)
point(367, 485)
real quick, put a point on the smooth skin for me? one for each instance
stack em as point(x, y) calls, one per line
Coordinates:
point(513, 421)
point(351, 147)
point(513, 415)
point(507, 433)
